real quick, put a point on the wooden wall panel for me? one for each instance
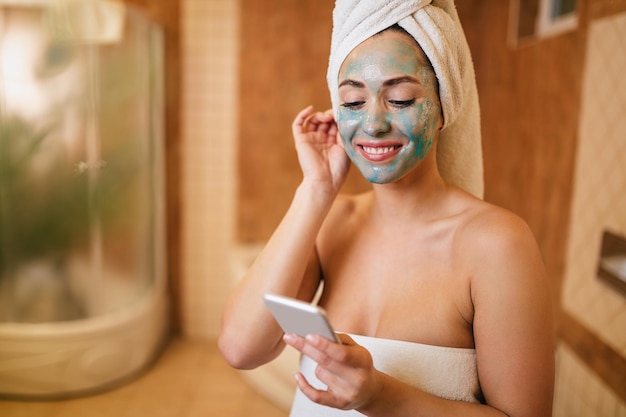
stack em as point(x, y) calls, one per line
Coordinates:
point(284, 55)
point(529, 100)
point(603, 8)
point(606, 362)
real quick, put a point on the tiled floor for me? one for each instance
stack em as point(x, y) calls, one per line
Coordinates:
point(190, 379)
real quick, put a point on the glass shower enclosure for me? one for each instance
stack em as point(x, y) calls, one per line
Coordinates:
point(82, 246)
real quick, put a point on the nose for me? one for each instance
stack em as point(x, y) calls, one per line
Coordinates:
point(376, 120)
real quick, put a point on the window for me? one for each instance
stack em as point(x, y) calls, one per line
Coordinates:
point(532, 20)
point(556, 16)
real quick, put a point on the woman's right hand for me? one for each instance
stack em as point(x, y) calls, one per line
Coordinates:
point(322, 158)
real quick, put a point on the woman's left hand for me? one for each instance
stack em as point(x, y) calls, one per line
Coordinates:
point(347, 369)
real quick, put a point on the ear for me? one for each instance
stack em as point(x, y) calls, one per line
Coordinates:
point(440, 121)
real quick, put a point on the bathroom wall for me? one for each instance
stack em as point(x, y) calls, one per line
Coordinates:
point(529, 98)
point(599, 198)
point(598, 204)
point(208, 177)
point(537, 116)
point(283, 59)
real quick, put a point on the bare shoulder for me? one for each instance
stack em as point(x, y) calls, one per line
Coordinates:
point(489, 235)
point(501, 257)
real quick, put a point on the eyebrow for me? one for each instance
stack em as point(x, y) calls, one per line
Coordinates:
point(400, 80)
point(351, 83)
point(387, 83)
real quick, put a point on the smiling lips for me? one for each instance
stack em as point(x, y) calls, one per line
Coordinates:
point(377, 153)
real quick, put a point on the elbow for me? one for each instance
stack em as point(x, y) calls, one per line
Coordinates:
point(241, 355)
point(234, 353)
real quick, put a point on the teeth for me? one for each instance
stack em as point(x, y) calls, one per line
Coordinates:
point(378, 151)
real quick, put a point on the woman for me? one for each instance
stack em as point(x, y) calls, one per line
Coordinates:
point(442, 297)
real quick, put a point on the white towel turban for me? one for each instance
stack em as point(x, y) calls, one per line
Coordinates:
point(436, 27)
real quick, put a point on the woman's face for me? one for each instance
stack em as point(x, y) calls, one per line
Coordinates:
point(389, 111)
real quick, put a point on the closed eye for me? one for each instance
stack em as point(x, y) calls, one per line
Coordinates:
point(352, 105)
point(402, 103)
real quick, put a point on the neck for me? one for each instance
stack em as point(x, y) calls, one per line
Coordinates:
point(420, 196)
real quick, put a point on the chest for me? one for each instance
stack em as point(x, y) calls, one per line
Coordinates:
point(401, 287)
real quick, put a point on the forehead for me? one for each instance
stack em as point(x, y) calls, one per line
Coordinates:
point(389, 53)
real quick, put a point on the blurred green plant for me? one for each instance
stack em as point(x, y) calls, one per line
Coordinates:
point(39, 216)
point(45, 214)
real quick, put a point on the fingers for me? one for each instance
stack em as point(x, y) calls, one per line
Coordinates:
point(309, 121)
point(318, 396)
point(336, 361)
point(346, 369)
point(298, 124)
point(323, 351)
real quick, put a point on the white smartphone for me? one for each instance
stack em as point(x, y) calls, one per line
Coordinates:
point(299, 317)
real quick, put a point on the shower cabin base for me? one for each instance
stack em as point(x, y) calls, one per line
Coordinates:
point(65, 359)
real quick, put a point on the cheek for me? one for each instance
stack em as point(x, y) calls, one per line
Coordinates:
point(420, 126)
point(347, 124)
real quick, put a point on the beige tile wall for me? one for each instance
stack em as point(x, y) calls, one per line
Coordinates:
point(580, 393)
point(210, 54)
point(599, 203)
point(599, 200)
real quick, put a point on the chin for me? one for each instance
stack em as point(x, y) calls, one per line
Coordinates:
point(379, 179)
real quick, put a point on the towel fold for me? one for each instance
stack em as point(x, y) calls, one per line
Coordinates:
point(436, 27)
point(445, 372)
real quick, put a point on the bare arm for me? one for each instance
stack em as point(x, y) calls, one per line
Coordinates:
point(513, 324)
point(288, 264)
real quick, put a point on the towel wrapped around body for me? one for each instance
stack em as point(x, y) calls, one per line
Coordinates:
point(435, 25)
point(446, 372)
